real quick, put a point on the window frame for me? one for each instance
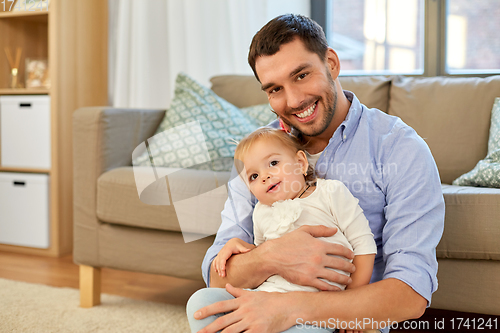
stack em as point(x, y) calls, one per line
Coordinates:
point(434, 43)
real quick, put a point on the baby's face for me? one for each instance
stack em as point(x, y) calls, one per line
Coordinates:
point(274, 172)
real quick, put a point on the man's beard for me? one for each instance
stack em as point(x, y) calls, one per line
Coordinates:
point(330, 107)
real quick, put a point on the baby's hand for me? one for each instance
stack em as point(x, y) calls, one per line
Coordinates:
point(233, 246)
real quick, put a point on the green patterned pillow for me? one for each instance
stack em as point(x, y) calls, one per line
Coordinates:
point(260, 114)
point(199, 129)
point(487, 171)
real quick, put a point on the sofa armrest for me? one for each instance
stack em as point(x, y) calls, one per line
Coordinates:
point(103, 139)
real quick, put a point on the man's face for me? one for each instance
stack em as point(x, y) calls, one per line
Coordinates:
point(300, 87)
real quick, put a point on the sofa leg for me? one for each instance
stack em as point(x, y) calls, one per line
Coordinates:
point(90, 286)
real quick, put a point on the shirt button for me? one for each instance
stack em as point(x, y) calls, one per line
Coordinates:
point(345, 136)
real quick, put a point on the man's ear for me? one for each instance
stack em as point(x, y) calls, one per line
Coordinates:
point(302, 160)
point(333, 62)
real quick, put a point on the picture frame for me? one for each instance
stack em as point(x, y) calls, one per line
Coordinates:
point(37, 73)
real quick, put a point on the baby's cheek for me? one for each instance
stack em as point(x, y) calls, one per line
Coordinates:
point(275, 172)
point(289, 169)
point(257, 192)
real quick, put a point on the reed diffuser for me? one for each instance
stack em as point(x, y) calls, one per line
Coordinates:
point(14, 65)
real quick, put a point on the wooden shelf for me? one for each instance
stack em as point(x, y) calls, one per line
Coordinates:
point(24, 170)
point(71, 38)
point(25, 91)
point(27, 31)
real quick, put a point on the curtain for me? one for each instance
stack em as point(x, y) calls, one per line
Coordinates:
point(152, 41)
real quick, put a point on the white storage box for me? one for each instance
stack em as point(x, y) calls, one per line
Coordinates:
point(24, 209)
point(25, 131)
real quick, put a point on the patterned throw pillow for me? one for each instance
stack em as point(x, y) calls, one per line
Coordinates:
point(260, 114)
point(487, 172)
point(200, 129)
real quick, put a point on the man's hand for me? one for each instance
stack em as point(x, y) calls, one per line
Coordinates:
point(301, 258)
point(298, 256)
point(252, 311)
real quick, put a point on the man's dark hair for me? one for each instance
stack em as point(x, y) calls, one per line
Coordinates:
point(283, 29)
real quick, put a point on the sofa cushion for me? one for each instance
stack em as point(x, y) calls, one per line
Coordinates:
point(472, 227)
point(373, 91)
point(231, 88)
point(118, 199)
point(451, 114)
point(468, 286)
point(150, 251)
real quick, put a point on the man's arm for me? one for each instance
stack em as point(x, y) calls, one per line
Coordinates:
point(298, 256)
point(415, 218)
point(389, 300)
point(414, 212)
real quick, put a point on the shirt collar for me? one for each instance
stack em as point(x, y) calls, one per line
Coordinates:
point(351, 120)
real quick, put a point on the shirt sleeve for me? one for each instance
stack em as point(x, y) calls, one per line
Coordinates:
point(414, 212)
point(236, 221)
point(351, 220)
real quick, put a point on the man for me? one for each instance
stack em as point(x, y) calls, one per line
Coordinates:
point(384, 163)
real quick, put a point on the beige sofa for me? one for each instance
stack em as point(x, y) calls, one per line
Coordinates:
point(113, 228)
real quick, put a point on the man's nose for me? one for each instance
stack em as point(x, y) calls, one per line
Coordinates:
point(294, 97)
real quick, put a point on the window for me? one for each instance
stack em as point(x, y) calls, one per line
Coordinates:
point(472, 39)
point(377, 36)
point(412, 37)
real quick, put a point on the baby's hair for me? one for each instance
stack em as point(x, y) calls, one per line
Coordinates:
point(268, 133)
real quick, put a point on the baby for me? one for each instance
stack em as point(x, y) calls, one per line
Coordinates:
point(277, 172)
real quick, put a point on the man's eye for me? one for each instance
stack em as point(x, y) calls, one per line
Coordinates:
point(274, 163)
point(253, 177)
point(274, 90)
point(301, 76)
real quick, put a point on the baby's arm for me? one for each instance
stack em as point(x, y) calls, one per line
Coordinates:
point(363, 273)
point(361, 277)
point(233, 246)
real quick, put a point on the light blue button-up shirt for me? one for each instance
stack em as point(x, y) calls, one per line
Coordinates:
point(390, 169)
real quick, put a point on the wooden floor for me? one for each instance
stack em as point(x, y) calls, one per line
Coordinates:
point(62, 272)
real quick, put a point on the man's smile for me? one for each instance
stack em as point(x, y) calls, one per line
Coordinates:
point(308, 113)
